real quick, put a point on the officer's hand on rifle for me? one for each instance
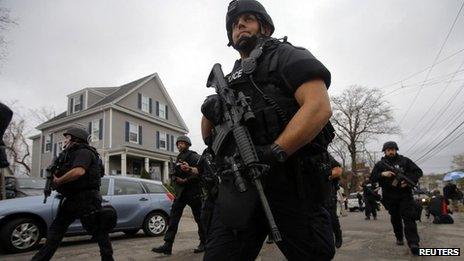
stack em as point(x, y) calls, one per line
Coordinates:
point(185, 167)
point(271, 154)
point(388, 174)
point(56, 181)
point(180, 180)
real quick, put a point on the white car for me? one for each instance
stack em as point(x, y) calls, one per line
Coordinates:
point(353, 203)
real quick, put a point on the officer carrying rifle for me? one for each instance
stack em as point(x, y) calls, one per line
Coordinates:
point(76, 175)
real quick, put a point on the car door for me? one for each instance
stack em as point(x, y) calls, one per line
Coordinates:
point(130, 201)
point(76, 226)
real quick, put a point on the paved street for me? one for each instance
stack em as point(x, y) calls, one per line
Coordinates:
point(363, 240)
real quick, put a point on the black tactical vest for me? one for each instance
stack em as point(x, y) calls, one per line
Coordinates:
point(91, 180)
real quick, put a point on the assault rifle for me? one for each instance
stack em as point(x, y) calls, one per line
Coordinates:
point(401, 176)
point(236, 113)
point(51, 171)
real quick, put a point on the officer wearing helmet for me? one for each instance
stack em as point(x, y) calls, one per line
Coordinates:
point(287, 87)
point(77, 179)
point(186, 182)
point(397, 194)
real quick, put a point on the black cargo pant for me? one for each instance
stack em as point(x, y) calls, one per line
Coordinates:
point(194, 201)
point(71, 209)
point(402, 210)
point(371, 208)
point(207, 209)
point(305, 227)
point(334, 221)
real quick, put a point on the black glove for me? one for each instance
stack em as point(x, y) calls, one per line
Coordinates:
point(271, 154)
point(212, 109)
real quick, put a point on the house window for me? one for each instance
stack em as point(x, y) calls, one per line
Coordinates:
point(146, 104)
point(95, 130)
point(133, 133)
point(162, 141)
point(48, 142)
point(162, 111)
point(77, 104)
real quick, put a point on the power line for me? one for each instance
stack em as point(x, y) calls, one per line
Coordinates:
point(441, 141)
point(434, 120)
point(434, 62)
point(440, 114)
point(421, 71)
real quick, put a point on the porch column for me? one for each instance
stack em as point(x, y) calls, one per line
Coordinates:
point(123, 164)
point(165, 172)
point(147, 165)
point(107, 164)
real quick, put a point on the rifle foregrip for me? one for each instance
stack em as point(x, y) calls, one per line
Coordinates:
point(244, 144)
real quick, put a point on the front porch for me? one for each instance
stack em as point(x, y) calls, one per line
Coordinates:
point(131, 163)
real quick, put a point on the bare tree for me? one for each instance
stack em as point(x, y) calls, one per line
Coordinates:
point(18, 146)
point(338, 149)
point(359, 114)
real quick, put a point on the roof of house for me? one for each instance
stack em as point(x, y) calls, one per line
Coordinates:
point(113, 94)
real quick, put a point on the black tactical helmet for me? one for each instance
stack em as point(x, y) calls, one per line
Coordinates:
point(390, 145)
point(184, 139)
point(238, 7)
point(77, 133)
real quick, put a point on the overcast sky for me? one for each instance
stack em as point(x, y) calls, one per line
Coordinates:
point(59, 47)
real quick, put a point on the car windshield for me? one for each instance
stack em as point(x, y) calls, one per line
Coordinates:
point(30, 183)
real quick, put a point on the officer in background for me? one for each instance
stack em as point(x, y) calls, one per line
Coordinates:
point(332, 200)
point(78, 181)
point(371, 197)
point(186, 182)
point(397, 194)
point(288, 92)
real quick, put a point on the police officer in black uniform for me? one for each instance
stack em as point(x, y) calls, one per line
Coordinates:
point(370, 199)
point(209, 186)
point(331, 202)
point(78, 181)
point(288, 96)
point(397, 195)
point(186, 182)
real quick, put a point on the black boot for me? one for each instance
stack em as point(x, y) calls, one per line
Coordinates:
point(200, 248)
point(269, 239)
point(164, 249)
point(414, 248)
point(338, 239)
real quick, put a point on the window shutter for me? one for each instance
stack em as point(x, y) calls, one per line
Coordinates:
point(43, 143)
point(41, 173)
point(139, 101)
point(90, 128)
point(140, 134)
point(157, 139)
point(100, 130)
point(168, 142)
point(54, 150)
point(150, 109)
point(51, 140)
point(166, 112)
point(172, 142)
point(81, 99)
point(127, 131)
point(157, 108)
point(71, 105)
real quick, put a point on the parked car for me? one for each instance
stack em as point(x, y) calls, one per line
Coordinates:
point(139, 203)
point(353, 203)
point(23, 187)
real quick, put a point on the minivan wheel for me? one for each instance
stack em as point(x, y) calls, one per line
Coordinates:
point(20, 235)
point(155, 224)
